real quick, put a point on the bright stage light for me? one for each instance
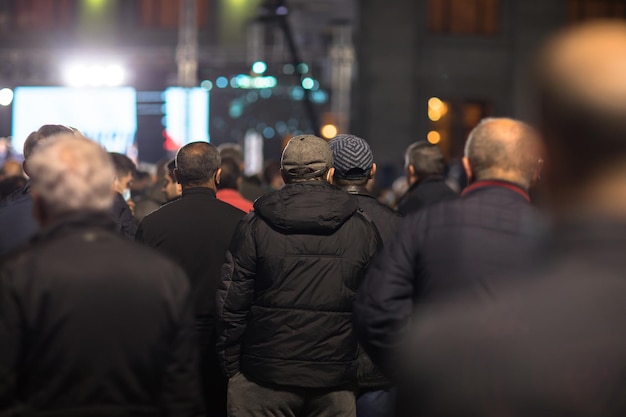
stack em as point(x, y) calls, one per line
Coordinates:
point(96, 75)
point(6, 97)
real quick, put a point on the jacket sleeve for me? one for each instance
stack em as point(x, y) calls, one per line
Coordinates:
point(235, 295)
point(10, 335)
point(181, 386)
point(384, 301)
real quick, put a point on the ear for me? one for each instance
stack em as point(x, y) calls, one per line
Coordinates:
point(176, 176)
point(218, 176)
point(24, 168)
point(329, 175)
point(410, 175)
point(373, 171)
point(283, 175)
point(468, 169)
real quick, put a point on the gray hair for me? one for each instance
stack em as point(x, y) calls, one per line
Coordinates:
point(72, 173)
point(426, 159)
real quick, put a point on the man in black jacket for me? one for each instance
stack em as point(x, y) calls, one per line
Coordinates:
point(462, 247)
point(90, 323)
point(195, 231)
point(354, 167)
point(553, 345)
point(122, 210)
point(425, 168)
point(285, 300)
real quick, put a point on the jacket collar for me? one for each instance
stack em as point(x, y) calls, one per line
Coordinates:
point(79, 220)
point(198, 191)
point(485, 184)
point(356, 190)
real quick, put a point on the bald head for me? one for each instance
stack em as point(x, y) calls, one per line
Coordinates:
point(503, 149)
point(582, 86)
point(197, 164)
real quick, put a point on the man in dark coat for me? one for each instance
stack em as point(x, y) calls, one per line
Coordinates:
point(17, 223)
point(425, 168)
point(354, 167)
point(462, 247)
point(554, 344)
point(122, 210)
point(90, 323)
point(285, 300)
point(195, 231)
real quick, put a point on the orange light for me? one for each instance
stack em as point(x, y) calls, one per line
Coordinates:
point(329, 131)
point(436, 104)
point(434, 137)
point(434, 115)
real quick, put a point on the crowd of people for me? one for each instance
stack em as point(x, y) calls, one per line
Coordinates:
point(212, 294)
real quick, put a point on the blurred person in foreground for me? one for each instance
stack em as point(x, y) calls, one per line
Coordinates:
point(195, 231)
point(285, 299)
point(123, 207)
point(17, 223)
point(90, 323)
point(227, 189)
point(460, 248)
point(12, 168)
point(354, 167)
point(425, 168)
point(250, 186)
point(553, 345)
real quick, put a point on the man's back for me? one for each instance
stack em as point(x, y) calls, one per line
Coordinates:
point(424, 193)
point(195, 231)
point(92, 324)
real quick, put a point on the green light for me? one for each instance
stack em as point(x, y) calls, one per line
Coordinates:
point(95, 5)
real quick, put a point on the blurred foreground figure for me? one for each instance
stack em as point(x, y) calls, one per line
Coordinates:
point(17, 223)
point(553, 345)
point(90, 323)
point(425, 169)
point(195, 231)
point(285, 301)
point(354, 167)
point(466, 247)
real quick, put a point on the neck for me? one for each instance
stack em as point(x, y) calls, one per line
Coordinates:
point(505, 176)
point(209, 185)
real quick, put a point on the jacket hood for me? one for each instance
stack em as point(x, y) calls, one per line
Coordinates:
point(315, 207)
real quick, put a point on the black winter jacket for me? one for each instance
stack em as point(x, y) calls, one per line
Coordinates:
point(463, 247)
point(92, 324)
point(425, 192)
point(291, 276)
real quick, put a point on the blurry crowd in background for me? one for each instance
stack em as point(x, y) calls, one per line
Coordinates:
point(195, 290)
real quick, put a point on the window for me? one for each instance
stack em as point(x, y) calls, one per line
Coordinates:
point(579, 10)
point(165, 14)
point(44, 14)
point(471, 17)
point(451, 121)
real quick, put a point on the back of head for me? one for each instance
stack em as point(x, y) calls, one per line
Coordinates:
point(71, 174)
point(231, 151)
point(503, 149)
point(352, 159)
point(581, 84)
point(306, 158)
point(425, 158)
point(44, 132)
point(123, 165)
point(196, 164)
point(229, 178)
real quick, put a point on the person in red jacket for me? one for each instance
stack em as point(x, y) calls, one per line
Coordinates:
point(228, 187)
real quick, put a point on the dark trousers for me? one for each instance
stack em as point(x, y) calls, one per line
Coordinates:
point(214, 384)
point(379, 403)
point(248, 399)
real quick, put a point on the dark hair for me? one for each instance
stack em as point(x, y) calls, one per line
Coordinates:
point(230, 174)
point(9, 185)
point(123, 165)
point(425, 158)
point(271, 171)
point(171, 166)
point(197, 163)
point(42, 133)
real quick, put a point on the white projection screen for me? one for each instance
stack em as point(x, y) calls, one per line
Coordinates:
point(107, 115)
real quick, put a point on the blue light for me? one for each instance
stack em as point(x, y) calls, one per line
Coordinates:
point(319, 97)
point(288, 69)
point(269, 132)
point(234, 82)
point(303, 68)
point(281, 127)
point(265, 93)
point(236, 109)
point(252, 96)
point(221, 82)
point(207, 85)
point(297, 93)
point(259, 67)
point(308, 83)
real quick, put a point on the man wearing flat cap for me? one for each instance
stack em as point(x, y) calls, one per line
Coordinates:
point(285, 299)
